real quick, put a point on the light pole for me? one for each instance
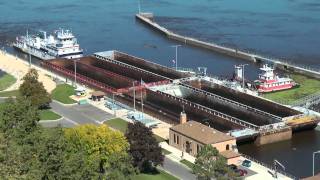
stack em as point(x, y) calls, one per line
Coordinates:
point(176, 61)
point(29, 60)
point(313, 155)
point(134, 96)
point(139, 6)
point(243, 65)
point(75, 73)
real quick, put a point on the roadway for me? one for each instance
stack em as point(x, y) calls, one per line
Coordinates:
point(76, 114)
point(177, 169)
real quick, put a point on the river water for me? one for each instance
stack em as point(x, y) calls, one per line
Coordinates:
point(286, 29)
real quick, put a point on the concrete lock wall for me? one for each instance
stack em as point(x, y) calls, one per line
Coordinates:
point(174, 106)
point(274, 137)
point(149, 66)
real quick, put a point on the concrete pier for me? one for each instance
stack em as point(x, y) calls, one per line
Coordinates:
point(147, 18)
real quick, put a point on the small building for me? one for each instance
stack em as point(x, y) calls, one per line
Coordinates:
point(97, 95)
point(191, 136)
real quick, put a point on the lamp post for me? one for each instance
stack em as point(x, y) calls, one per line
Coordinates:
point(313, 155)
point(75, 73)
point(243, 65)
point(176, 61)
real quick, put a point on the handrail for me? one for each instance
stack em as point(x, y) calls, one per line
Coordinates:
point(268, 166)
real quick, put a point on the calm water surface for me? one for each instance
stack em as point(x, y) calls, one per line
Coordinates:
point(286, 29)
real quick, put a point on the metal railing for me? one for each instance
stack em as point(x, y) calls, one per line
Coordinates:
point(211, 111)
point(233, 102)
point(269, 166)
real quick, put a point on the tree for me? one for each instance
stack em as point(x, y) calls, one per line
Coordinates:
point(210, 164)
point(108, 146)
point(144, 149)
point(18, 119)
point(34, 90)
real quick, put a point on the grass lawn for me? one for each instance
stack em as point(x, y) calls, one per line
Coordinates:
point(307, 86)
point(158, 138)
point(122, 126)
point(9, 93)
point(6, 81)
point(62, 92)
point(187, 163)
point(162, 175)
point(118, 124)
point(47, 114)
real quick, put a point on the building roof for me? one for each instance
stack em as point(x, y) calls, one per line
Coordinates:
point(201, 133)
point(98, 93)
point(229, 154)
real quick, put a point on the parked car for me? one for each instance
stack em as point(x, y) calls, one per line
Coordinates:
point(233, 167)
point(246, 163)
point(241, 172)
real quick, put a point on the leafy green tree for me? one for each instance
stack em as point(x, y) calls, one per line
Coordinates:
point(34, 90)
point(210, 164)
point(109, 146)
point(144, 148)
point(18, 119)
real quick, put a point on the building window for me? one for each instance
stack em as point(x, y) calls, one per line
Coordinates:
point(174, 138)
point(177, 139)
point(198, 148)
point(227, 147)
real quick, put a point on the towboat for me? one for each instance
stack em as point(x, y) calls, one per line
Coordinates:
point(269, 81)
point(61, 44)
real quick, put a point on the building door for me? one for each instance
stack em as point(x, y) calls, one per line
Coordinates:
point(188, 147)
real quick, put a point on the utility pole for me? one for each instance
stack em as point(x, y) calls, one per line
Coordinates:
point(176, 61)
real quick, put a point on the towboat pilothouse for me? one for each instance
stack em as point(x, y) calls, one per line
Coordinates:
point(269, 81)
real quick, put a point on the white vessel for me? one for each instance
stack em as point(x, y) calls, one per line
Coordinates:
point(61, 44)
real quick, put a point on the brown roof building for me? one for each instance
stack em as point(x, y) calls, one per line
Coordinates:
point(191, 136)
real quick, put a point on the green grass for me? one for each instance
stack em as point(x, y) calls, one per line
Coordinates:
point(9, 93)
point(6, 81)
point(118, 124)
point(62, 94)
point(165, 152)
point(162, 175)
point(187, 163)
point(122, 126)
point(48, 115)
point(158, 138)
point(307, 87)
